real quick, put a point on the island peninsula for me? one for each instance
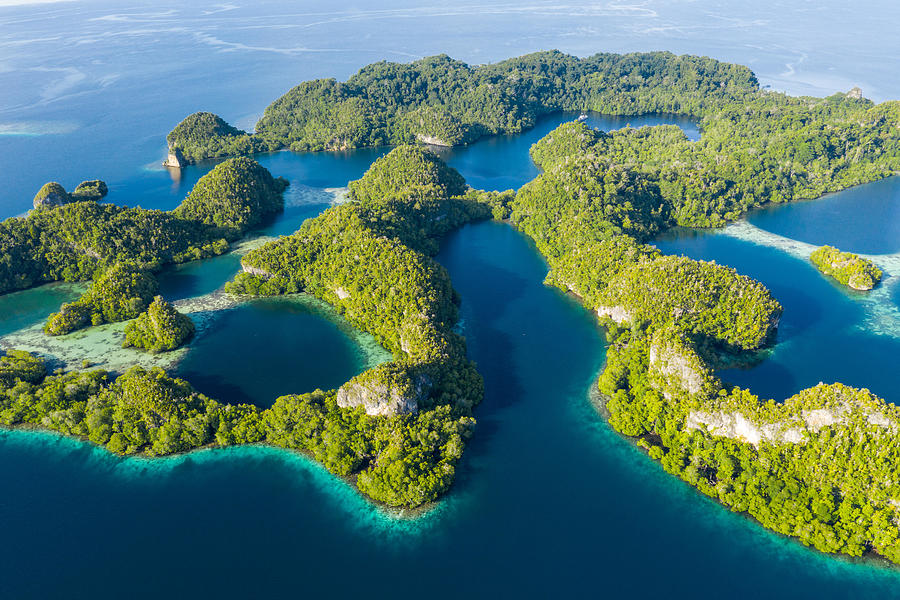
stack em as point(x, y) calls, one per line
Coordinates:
point(820, 466)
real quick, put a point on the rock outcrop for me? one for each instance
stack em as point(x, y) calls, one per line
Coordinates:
point(676, 370)
point(175, 159)
point(616, 313)
point(806, 414)
point(256, 271)
point(432, 140)
point(387, 390)
point(737, 426)
point(860, 283)
point(51, 195)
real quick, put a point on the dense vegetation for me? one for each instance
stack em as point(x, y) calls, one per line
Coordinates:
point(140, 412)
point(71, 242)
point(444, 101)
point(149, 413)
point(120, 293)
point(120, 248)
point(821, 466)
point(850, 269)
point(159, 329)
point(369, 259)
point(237, 195)
point(53, 194)
point(205, 135)
point(772, 149)
point(94, 189)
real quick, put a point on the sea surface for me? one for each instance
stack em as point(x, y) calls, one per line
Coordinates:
point(549, 501)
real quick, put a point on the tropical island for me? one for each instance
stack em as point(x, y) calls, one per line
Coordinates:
point(820, 466)
point(855, 272)
point(396, 431)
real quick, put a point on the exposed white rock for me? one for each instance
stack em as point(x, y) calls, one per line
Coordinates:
point(432, 140)
point(341, 293)
point(256, 271)
point(616, 313)
point(381, 398)
point(860, 283)
point(821, 417)
point(880, 420)
point(175, 159)
point(674, 365)
point(738, 427)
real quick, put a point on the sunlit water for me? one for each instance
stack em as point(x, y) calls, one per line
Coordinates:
point(548, 501)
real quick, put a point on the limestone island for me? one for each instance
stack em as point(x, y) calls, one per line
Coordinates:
point(851, 270)
point(822, 466)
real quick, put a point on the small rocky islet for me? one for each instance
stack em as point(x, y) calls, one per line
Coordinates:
point(850, 269)
point(400, 428)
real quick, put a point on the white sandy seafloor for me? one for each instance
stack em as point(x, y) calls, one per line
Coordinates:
point(101, 346)
point(298, 194)
point(882, 314)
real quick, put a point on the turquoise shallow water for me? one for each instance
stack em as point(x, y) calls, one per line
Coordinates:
point(548, 502)
point(20, 309)
point(548, 499)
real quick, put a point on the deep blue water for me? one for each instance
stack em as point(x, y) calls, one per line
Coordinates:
point(549, 501)
point(826, 333)
point(270, 347)
point(863, 219)
point(500, 162)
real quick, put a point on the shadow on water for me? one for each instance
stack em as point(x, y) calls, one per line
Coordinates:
point(218, 388)
point(493, 341)
point(266, 348)
point(766, 379)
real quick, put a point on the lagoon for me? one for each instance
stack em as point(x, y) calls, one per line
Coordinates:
point(548, 501)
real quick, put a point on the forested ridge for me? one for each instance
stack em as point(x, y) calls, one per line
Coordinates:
point(822, 466)
point(757, 146)
point(370, 259)
point(445, 101)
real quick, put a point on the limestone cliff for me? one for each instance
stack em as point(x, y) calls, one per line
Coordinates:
point(51, 195)
point(832, 407)
point(387, 390)
point(432, 140)
point(676, 369)
point(256, 271)
point(175, 159)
